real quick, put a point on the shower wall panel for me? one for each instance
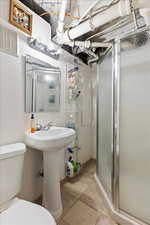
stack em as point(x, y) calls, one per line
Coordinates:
point(105, 123)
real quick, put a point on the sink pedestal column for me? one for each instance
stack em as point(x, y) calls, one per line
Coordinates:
point(51, 190)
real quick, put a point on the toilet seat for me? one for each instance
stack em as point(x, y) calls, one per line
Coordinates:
point(26, 213)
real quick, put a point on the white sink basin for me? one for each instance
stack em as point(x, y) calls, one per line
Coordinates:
point(52, 140)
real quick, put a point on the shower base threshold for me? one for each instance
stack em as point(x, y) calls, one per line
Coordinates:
point(119, 217)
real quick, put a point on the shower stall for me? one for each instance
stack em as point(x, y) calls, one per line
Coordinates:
point(123, 128)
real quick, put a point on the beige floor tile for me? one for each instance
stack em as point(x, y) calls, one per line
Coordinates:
point(82, 202)
point(67, 200)
point(92, 197)
point(104, 220)
point(92, 170)
point(75, 187)
point(87, 173)
point(81, 214)
point(63, 223)
point(90, 167)
point(86, 178)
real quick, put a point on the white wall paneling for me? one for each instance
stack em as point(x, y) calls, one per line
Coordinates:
point(13, 120)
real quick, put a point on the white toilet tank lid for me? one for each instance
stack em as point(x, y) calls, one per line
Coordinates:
point(12, 150)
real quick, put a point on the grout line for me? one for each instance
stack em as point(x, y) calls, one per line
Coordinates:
point(64, 214)
point(84, 166)
point(96, 210)
point(101, 213)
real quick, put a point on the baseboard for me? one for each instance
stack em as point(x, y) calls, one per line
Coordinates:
point(117, 216)
point(85, 165)
point(39, 200)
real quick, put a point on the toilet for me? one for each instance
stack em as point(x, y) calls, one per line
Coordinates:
point(14, 211)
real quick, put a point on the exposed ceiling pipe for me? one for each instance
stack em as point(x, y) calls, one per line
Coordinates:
point(88, 10)
point(88, 44)
point(95, 57)
point(62, 16)
point(118, 10)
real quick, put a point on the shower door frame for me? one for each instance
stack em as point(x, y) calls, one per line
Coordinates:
point(113, 206)
point(115, 49)
point(111, 49)
point(116, 101)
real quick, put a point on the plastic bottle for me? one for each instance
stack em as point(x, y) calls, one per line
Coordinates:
point(70, 169)
point(33, 123)
point(71, 123)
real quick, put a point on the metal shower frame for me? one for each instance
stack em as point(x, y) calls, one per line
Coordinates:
point(115, 151)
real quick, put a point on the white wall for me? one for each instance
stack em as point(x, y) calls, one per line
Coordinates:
point(13, 120)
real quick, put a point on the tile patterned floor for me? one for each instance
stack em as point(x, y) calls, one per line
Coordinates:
point(82, 202)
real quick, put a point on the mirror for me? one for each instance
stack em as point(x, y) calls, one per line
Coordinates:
point(42, 86)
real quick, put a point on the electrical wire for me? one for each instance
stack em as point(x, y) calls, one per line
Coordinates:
point(97, 11)
point(92, 12)
point(105, 7)
point(57, 13)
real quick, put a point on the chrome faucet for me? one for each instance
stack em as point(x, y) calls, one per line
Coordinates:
point(50, 124)
point(45, 126)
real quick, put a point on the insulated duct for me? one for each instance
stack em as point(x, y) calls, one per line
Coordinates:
point(122, 8)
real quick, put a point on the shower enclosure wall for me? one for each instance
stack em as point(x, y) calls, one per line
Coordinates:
point(123, 132)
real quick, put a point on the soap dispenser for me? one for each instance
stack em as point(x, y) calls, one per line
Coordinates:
point(33, 123)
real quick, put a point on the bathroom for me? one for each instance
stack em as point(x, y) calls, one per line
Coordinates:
point(74, 93)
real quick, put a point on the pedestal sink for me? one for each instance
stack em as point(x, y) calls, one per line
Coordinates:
point(51, 142)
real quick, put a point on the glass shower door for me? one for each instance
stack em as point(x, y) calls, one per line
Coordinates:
point(105, 124)
point(134, 178)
